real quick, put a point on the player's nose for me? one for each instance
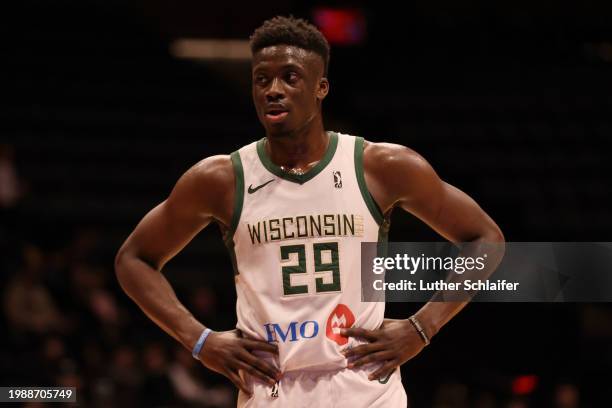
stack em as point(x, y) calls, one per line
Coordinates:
point(275, 91)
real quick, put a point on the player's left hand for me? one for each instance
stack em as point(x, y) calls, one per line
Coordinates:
point(396, 342)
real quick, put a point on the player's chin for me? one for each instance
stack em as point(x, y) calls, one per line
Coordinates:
point(279, 129)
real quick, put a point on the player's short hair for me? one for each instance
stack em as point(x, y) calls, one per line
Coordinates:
point(291, 31)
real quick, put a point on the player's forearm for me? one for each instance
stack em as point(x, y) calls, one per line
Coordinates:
point(436, 313)
point(151, 291)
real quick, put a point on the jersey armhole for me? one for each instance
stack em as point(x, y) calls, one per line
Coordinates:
point(365, 193)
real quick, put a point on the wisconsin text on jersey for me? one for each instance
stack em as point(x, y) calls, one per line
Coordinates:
point(306, 226)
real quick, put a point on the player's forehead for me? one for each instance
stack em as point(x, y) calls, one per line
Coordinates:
point(281, 55)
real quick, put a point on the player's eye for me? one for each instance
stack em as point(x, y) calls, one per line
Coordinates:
point(261, 79)
point(291, 77)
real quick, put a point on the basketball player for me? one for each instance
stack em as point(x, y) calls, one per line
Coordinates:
point(294, 207)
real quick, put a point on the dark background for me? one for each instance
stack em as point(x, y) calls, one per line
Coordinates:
point(509, 101)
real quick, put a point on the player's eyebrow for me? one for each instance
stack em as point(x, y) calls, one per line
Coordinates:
point(293, 66)
point(264, 66)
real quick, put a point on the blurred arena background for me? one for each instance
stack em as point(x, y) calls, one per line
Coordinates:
point(105, 105)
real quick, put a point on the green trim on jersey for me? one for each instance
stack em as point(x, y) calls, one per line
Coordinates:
point(359, 172)
point(298, 178)
point(229, 244)
point(383, 238)
point(238, 202)
point(238, 192)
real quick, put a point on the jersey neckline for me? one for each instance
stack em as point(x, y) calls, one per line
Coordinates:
point(298, 178)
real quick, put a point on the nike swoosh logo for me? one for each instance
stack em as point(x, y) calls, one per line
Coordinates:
point(251, 190)
point(386, 379)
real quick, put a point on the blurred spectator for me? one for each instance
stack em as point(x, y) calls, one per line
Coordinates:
point(69, 376)
point(104, 307)
point(95, 361)
point(567, 396)
point(517, 403)
point(157, 389)
point(451, 395)
point(90, 283)
point(28, 305)
point(54, 359)
point(190, 389)
point(54, 348)
point(486, 400)
point(126, 375)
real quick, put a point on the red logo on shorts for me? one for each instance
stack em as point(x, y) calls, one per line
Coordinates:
point(341, 317)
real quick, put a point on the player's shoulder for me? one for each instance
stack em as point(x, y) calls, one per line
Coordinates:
point(216, 168)
point(382, 157)
point(206, 188)
point(213, 174)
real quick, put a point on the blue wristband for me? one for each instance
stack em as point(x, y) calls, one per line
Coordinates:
point(200, 343)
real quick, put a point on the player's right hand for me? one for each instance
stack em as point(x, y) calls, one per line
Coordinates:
point(228, 352)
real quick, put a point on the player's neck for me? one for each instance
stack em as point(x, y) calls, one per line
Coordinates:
point(300, 149)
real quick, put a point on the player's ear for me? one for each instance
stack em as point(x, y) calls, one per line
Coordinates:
point(323, 88)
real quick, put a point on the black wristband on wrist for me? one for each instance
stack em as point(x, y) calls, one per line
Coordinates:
point(419, 329)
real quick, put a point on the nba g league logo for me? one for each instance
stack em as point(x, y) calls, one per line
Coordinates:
point(337, 179)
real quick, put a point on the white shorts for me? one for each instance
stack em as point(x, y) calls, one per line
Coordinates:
point(348, 388)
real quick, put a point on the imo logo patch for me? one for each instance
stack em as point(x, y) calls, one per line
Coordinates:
point(292, 332)
point(341, 317)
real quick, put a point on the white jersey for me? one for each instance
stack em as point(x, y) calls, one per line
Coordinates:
point(295, 242)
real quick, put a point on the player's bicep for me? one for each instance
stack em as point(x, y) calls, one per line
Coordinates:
point(459, 218)
point(448, 210)
point(163, 232)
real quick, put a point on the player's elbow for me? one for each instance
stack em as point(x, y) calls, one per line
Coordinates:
point(122, 269)
point(119, 263)
point(496, 241)
point(130, 266)
point(487, 232)
point(496, 235)
point(126, 271)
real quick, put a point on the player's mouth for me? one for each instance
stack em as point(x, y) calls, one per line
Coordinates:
point(276, 115)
